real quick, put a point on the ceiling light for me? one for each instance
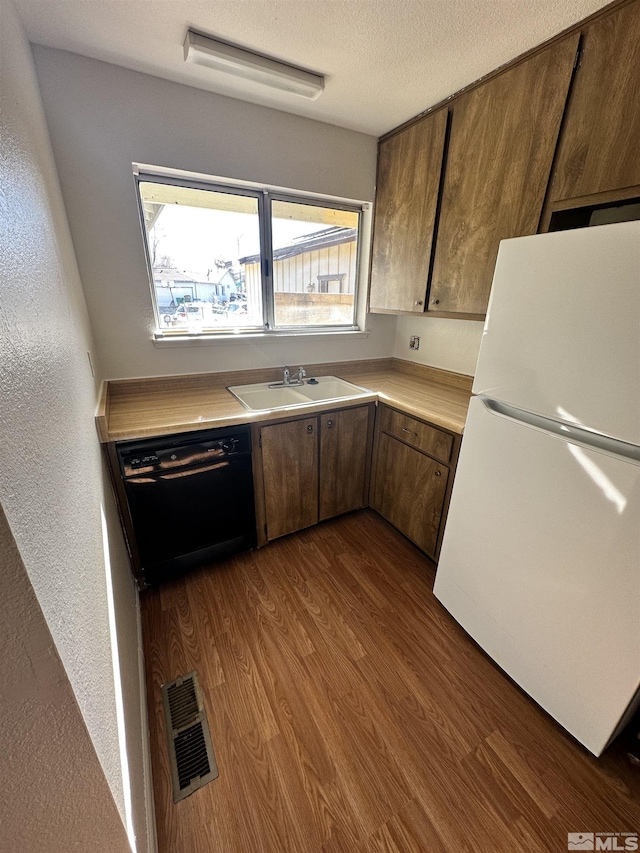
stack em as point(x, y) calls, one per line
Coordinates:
point(251, 66)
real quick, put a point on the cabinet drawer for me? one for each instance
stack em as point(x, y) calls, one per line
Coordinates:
point(420, 435)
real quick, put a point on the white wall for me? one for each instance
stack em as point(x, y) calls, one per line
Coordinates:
point(102, 118)
point(52, 486)
point(54, 796)
point(448, 344)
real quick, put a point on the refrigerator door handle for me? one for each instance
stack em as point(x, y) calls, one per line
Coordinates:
point(568, 432)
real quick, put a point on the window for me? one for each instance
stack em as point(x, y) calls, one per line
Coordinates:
point(330, 283)
point(239, 259)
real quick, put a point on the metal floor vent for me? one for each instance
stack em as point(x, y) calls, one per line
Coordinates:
point(191, 756)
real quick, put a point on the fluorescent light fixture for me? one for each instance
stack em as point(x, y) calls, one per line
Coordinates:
point(251, 66)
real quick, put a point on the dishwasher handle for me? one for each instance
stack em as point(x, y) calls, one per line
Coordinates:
point(141, 479)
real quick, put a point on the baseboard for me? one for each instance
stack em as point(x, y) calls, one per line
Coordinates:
point(150, 809)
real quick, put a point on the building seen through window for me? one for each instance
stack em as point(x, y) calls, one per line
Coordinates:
point(224, 259)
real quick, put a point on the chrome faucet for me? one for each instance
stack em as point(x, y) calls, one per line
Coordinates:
point(286, 378)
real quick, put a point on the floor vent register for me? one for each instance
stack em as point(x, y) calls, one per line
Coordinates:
point(191, 756)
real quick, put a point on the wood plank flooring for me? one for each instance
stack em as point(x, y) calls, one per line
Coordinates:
point(350, 713)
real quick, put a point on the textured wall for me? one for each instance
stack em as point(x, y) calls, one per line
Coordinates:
point(54, 797)
point(102, 118)
point(51, 481)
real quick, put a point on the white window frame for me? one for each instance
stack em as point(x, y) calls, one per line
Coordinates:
point(264, 194)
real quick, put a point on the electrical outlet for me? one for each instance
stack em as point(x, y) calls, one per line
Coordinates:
point(414, 342)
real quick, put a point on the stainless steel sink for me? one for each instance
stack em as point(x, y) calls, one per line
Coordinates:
point(262, 398)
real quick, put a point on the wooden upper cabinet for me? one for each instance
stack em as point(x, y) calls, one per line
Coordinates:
point(290, 463)
point(503, 138)
point(409, 167)
point(344, 456)
point(599, 147)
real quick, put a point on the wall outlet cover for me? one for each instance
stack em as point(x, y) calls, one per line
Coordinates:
point(414, 342)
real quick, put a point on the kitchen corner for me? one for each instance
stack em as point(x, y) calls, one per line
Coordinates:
point(393, 446)
point(137, 408)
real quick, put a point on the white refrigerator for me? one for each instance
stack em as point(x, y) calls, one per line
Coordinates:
point(540, 561)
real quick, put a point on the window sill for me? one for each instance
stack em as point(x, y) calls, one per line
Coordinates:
point(247, 337)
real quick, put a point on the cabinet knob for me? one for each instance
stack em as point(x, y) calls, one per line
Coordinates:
point(435, 302)
point(438, 473)
point(309, 427)
point(418, 302)
point(329, 424)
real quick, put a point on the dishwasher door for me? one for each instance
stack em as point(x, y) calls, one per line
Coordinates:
point(188, 517)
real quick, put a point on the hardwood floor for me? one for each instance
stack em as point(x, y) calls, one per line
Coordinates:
point(350, 713)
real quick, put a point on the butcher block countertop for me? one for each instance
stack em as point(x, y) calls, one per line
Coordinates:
point(141, 408)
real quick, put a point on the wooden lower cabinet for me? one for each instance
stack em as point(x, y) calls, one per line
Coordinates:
point(314, 468)
point(344, 458)
point(290, 465)
point(411, 489)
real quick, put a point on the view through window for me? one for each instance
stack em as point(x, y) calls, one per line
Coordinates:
point(213, 266)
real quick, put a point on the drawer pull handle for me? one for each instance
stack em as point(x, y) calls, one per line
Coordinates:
point(414, 434)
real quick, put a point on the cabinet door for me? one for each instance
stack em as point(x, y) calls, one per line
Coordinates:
point(598, 150)
point(503, 137)
point(409, 491)
point(409, 166)
point(344, 449)
point(290, 463)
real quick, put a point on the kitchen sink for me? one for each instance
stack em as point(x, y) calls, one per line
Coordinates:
point(256, 398)
point(262, 398)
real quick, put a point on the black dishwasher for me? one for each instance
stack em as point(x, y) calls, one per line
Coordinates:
point(190, 497)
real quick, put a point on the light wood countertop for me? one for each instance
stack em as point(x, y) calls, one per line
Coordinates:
point(141, 408)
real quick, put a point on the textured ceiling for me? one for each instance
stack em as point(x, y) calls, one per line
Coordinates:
point(385, 60)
